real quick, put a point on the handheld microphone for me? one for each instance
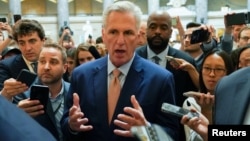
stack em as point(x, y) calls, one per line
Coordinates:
point(94, 52)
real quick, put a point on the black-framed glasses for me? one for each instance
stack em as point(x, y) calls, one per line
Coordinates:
point(217, 71)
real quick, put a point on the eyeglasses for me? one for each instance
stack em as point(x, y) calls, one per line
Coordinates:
point(245, 38)
point(187, 35)
point(216, 71)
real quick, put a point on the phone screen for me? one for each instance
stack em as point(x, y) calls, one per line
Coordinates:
point(17, 17)
point(174, 21)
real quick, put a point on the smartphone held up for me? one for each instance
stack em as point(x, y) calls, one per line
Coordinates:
point(237, 18)
point(174, 21)
point(171, 59)
point(17, 17)
point(3, 20)
point(41, 93)
point(199, 35)
point(191, 94)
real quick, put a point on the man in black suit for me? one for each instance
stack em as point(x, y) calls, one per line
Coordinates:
point(30, 37)
point(16, 125)
point(158, 34)
point(159, 30)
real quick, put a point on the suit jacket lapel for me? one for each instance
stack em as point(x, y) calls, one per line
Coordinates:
point(19, 64)
point(50, 112)
point(133, 80)
point(142, 51)
point(100, 88)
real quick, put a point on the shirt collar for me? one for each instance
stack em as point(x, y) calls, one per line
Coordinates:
point(161, 55)
point(124, 68)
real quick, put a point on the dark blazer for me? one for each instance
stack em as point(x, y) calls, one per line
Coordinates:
point(10, 68)
point(16, 125)
point(151, 85)
point(47, 120)
point(183, 82)
point(232, 97)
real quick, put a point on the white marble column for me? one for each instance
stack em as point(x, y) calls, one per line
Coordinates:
point(248, 5)
point(201, 11)
point(62, 12)
point(15, 6)
point(153, 5)
point(106, 3)
point(15, 9)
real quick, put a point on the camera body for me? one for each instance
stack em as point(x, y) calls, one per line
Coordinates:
point(238, 19)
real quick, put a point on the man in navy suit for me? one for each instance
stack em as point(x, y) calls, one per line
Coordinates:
point(233, 92)
point(16, 125)
point(30, 37)
point(144, 85)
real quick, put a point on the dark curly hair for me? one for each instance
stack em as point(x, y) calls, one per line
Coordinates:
point(25, 27)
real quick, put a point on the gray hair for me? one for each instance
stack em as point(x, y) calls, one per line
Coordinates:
point(123, 6)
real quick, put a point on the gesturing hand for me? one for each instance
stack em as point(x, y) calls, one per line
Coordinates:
point(77, 120)
point(133, 117)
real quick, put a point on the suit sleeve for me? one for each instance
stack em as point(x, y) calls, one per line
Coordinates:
point(5, 73)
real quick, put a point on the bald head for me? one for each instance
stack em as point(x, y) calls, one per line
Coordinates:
point(160, 14)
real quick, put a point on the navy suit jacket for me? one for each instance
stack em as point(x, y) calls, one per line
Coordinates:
point(183, 82)
point(232, 97)
point(10, 68)
point(16, 125)
point(151, 85)
point(47, 120)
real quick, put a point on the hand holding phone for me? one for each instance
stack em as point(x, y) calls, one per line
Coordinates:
point(177, 111)
point(27, 77)
point(41, 93)
point(173, 60)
